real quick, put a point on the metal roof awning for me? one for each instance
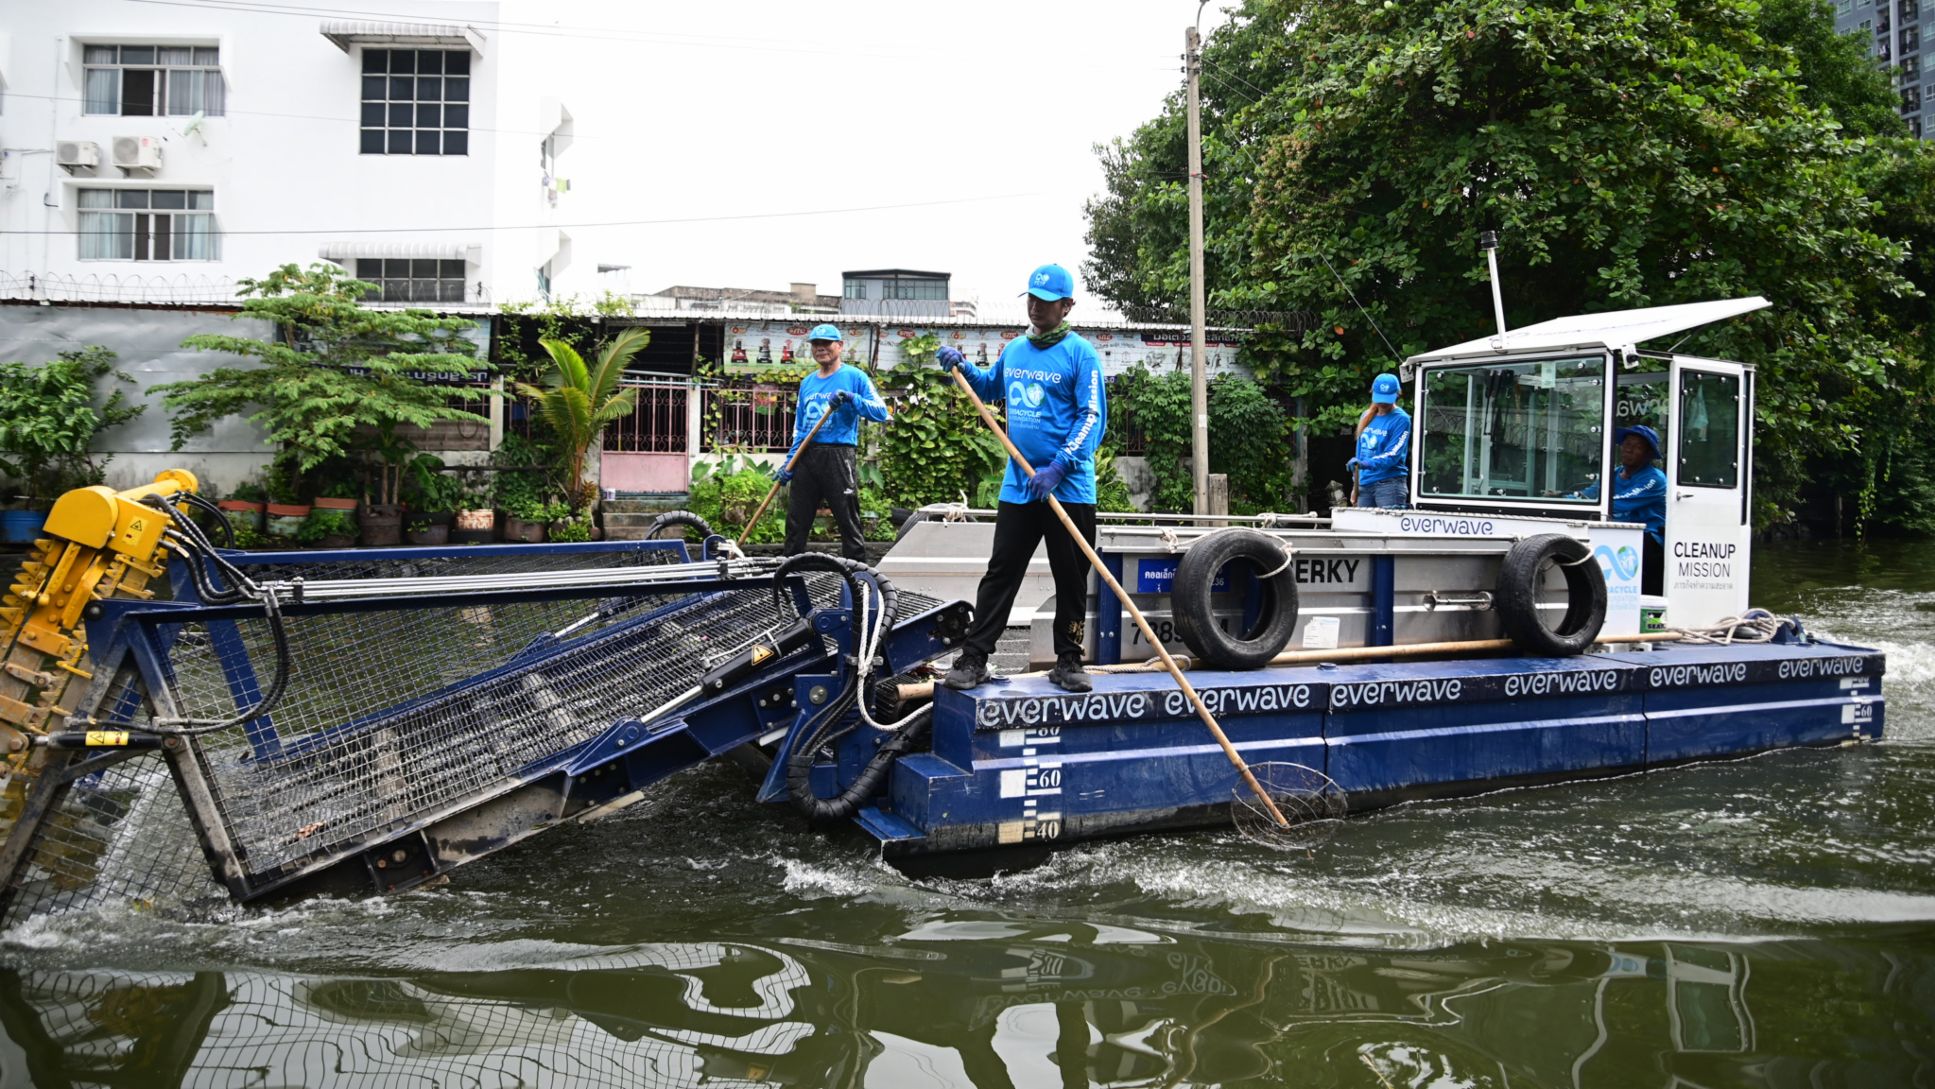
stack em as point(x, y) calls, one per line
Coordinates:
point(1612, 329)
point(346, 33)
point(441, 251)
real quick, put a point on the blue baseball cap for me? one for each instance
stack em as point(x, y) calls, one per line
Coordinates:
point(1651, 436)
point(1384, 389)
point(1051, 282)
point(825, 331)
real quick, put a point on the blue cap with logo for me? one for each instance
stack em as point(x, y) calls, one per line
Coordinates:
point(825, 331)
point(1384, 389)
point(1051, 282)
point(1651, 436)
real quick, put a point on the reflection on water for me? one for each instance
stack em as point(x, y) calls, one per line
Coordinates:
point(938, 1008)
point(1762, 922)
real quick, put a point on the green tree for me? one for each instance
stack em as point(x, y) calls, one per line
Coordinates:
point(580, 400)
point(935, 449)
point(49, 416)
point(1631, 153)
point(336, 381)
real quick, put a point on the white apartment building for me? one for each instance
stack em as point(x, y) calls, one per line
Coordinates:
point(157, 153)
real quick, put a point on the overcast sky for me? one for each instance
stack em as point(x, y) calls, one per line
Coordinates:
point(757, 107)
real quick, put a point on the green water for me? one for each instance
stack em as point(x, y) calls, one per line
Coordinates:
point(1765, 922)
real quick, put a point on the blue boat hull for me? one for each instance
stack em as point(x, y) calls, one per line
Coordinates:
point(1020, 767)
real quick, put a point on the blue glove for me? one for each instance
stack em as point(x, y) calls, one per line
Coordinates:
point(949, 358)
point(1046, 480)
point(782, 474)
point(1350, 466)
point(840, 399)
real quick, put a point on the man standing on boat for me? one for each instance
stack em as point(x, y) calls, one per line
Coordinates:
point(1057, 411)
point(1639, 496)
point(1383, 461)
point(829, 470)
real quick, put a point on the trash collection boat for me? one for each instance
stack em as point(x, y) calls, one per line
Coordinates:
point(280, 724)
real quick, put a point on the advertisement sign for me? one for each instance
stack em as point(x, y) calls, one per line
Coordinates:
point(753, 346)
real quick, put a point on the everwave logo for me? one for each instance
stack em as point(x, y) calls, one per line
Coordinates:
point(1041, 279)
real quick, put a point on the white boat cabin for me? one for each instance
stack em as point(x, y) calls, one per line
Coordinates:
point(1509, 430)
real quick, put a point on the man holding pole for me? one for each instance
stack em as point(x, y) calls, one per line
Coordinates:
point(831, 403)
point(1057, 412)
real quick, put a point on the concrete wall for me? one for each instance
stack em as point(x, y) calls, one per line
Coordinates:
point(147, 344)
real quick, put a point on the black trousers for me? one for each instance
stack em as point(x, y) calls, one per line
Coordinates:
point(1018, 528)
point(830, 475)
point(1652, 579)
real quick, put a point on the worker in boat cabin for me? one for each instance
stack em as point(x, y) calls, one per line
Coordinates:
point(828, 471)
point(1382, 466)
point(1057, 411)
point(1639, 496)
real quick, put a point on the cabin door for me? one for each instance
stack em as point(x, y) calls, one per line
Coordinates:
point(1707, 474)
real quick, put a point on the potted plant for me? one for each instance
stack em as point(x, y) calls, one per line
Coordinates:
point(246, 505)
point(434, 494)
point(526, 519)
point(570, 526)
point(475, 522)
point(327, 527)
point(285, 511)
point(419, 529)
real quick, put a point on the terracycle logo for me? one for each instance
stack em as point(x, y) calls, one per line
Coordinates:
point(1624, 563)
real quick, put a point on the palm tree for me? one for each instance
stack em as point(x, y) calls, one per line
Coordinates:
point(580, 400)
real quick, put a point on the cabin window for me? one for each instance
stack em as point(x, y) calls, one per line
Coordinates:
point(1709, 430)
point(1526, 431)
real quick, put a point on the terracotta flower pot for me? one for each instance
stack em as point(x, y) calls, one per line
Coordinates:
point(323, 502)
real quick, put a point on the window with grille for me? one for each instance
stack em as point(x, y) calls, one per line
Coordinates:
point(152, 80)
point(416, 102)
point(416, 279)
point(148, 225)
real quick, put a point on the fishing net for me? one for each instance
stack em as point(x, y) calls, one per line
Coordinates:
point(1312, 805)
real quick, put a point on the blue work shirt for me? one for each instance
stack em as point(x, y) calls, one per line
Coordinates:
point(1057, 411)
point(1638, 497)
point(844, 428)
point(1384, 447)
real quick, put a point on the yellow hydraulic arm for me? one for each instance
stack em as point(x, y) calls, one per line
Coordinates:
point(98, 544)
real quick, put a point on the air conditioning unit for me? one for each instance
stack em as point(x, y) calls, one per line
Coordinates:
point(137, 154)
point(77, 155)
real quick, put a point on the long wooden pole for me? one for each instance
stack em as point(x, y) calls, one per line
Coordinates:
point(787, 468)
point(1122, 595)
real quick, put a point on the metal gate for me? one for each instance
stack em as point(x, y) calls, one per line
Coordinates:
point(649, 450)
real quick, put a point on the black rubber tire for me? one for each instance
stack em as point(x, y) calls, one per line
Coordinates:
point(678, 518)
point(1189, 599)
point(1516, 596)
point(907, 524)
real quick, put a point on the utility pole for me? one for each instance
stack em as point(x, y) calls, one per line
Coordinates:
point(1198, 374)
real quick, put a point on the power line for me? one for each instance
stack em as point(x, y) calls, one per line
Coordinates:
point(581, 226)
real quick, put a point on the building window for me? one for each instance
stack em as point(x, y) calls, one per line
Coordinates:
point(1911, 100)
point(413, 279)
point(856, 289)
point(152, 80)
point(1843, 7)
point(1911, 39)
point(1911, 69)
point(916, 289)
point(1915, 127)
point(416, 102)
point(148, 225)
point(1910, 10)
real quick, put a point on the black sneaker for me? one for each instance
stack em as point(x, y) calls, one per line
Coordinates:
point(970, 670)
point(1069, 675)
